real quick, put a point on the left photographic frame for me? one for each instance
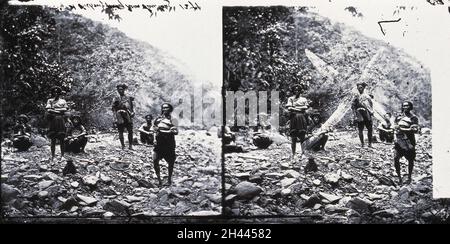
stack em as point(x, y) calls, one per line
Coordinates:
point(107, 114)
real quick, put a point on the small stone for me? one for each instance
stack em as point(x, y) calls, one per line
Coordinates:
point(108, 215)
point(90, 180)
point(285, 166)
point(198, 185)
point(51, 176)
point(317, 182)
point(87, 200)
point(387, 213)
point(292, 174)
point(287, 182)
point(243, 176)
point(215, 198)
point(43, 194)
point(312, 201)
point(74, 184)
point(285, 192)
point(43, 168)
point(134, 199)
point(317, 206)
point(24, 167)
point(274, 175)
point(332, 178)
point(329, 198)
point(45, 184)
point(106, 179)
point(346, 177)
point(374, 196)
point(134, 184)
point(209, 170)
point(4, 178)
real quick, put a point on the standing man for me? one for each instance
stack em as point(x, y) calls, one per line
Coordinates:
point(56, 108)
point(362, 107)
point(405, 142)
point(165, 141)
point(123, 114)
point(297, 106)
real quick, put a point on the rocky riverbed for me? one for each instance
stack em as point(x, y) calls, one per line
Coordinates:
point(110, 182)
point(349, 185)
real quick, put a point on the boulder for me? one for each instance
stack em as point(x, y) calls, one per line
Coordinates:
point(9, 193)
point(247, 190)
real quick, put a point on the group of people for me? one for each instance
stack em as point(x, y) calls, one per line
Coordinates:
point(159, 132)
point(72, 135)
point(403, 126)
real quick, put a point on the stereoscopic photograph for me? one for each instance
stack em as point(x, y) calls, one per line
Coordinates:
point(224, 112)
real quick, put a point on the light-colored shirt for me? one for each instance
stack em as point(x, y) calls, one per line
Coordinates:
point(298, 104)
point(59, 105)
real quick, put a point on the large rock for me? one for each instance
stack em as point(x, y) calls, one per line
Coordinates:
point(312, 201)
point(85, 200)
point(387, 213)
point(287, 182)
point(247, 190)
point(262, 141)
point(359, 204)
point(292, 174)
point(9, 193)
point(39, 141)
point(118, 207)
point(329, 198)
point(45, 184)
point(51, 176)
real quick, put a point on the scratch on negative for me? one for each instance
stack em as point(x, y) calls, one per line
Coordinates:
point(386, 21)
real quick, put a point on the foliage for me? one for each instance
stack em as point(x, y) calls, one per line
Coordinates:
point(28, 68)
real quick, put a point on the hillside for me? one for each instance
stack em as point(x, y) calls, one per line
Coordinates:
point(271, 48)
point(88, 59)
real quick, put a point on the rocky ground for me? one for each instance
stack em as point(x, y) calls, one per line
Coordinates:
point(112, 183)
point(350, 185)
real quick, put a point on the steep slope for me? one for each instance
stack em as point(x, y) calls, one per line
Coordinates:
point(48, 47)
point(100, 57)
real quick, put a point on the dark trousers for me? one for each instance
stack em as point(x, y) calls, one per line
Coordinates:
point(75, 145)
point(386, 136)
point(22, 143)
point(146, 138)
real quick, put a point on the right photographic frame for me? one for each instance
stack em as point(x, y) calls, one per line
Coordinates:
point(328, 113)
